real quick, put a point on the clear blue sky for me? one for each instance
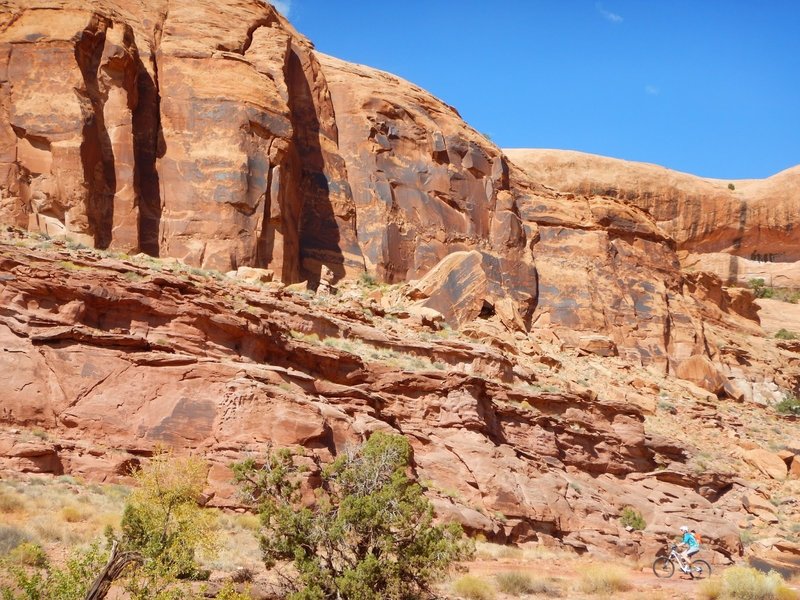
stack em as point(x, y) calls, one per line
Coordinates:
point(710, 87)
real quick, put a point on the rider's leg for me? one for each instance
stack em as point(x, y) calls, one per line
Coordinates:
point(685, 558)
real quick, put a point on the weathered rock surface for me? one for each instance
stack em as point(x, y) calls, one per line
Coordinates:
point(767, 462)
point(114, 357)
point(215, 134)
point(756, 219)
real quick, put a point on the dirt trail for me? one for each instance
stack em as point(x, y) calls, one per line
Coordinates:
point(566, 574)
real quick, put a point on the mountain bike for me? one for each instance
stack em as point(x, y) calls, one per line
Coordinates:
point(664, 566)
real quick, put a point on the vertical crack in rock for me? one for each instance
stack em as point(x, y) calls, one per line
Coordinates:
point(327, 224)
point(318, 231)
point(149, 146)
point(97, 156)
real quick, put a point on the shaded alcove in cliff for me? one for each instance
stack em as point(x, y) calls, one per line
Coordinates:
point(97, 154)
point(319, 235)
point(148, 147)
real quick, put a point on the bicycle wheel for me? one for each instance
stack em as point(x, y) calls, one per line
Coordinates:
point(663, 567)
point(700, 569)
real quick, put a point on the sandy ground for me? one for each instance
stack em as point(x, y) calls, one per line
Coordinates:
point(568, 572)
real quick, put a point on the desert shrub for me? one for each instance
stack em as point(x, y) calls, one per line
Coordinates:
point(370, 533)
point(473, 588)
point(28, 554)
point(785, 334)
point(229, 592)
point(164, 525)
point(731, 187)
point(790, 405)
point(604, 579)
point(746, 583)
point(760, 289)
point(367, 280)
point(42, 581)
point(632, 518)
point(790, 295)
point(242, 575)
point(248, 521)
point(11, 537)
point(513, 583)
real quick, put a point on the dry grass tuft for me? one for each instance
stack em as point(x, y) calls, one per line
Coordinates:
point(519, 584)
point(10, 502)
point(746, 583)
point(604, 579)
point(74, 514)
point(11, 537)
point(473, 588)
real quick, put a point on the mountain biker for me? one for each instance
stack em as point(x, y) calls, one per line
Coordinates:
point(692, 547)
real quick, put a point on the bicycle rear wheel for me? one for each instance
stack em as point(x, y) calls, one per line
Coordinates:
point(663, 567)
point(700, 569)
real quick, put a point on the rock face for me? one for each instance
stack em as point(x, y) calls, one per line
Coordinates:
point(113, 357)
point(752, 219)
point(214, 133)
point(174, 135)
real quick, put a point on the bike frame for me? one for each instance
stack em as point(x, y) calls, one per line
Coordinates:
point(674, 555)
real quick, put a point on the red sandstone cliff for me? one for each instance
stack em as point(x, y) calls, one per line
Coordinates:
point(742, 229)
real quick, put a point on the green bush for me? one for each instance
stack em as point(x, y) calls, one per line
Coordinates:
point(746, 583)
point(785, 334)
point(164, 526)
point(42, 581)
point(632, 518)
point(790, 405)
point(731, 187)
point(368, 280)
point(370, 533)
point(28, 554)
point(760, 289)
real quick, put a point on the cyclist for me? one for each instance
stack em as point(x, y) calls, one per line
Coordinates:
point(692, 547)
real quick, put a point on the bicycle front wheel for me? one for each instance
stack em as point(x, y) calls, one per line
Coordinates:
point(663, 567)
point(700, 569)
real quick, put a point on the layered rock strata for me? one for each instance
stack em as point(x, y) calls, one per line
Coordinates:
point(112, 358)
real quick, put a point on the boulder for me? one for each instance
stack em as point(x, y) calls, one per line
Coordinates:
point(465, 286)
point(760, 507)
point(767, 462)
point(794, 469)
point(597, 344)
point(702, 372)
point(253, 274)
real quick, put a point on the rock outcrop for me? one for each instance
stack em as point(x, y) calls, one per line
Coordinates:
point(740, 230)
point(114, 357)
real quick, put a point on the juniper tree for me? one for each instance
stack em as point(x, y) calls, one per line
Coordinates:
point(369, 534)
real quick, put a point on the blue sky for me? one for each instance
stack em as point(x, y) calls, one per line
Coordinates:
point(710, 87)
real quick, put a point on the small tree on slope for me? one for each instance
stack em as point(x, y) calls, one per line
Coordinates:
point(369, 534)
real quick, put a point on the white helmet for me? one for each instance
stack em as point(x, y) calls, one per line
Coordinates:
point(684, 528)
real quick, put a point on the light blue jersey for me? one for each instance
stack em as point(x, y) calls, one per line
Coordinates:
point(690, 540)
